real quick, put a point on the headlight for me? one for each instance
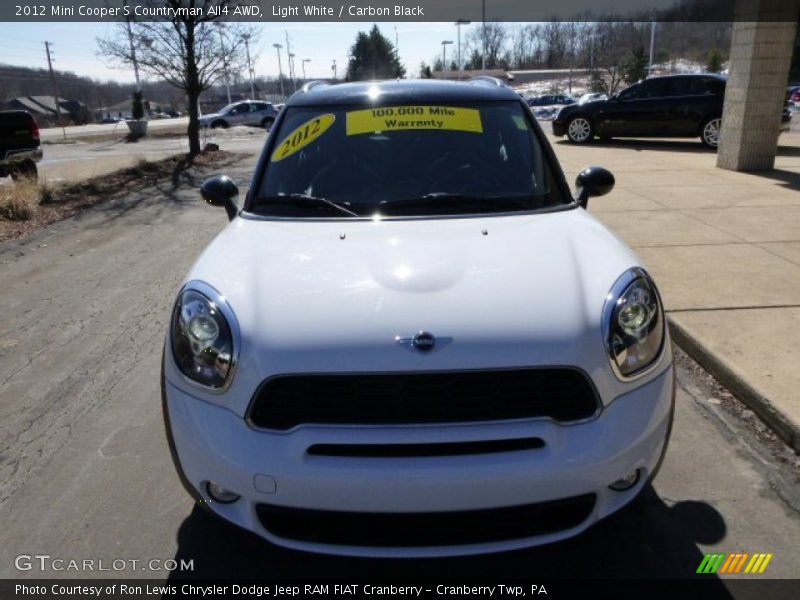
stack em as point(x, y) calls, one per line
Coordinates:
point(202, 342)
point(634, 323)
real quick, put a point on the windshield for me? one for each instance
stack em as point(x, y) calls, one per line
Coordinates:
point(410, 160)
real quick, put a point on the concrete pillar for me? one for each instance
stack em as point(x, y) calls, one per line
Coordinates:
point(761, 53)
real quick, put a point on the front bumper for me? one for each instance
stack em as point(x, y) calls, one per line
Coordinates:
point(210, 443)
point(16, 156)
point(559, 128)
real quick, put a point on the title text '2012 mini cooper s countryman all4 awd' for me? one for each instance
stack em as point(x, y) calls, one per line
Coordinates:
point(411, 339)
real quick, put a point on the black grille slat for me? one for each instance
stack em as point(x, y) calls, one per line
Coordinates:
point(425, 529)
point(406, 450)
point(286, 401)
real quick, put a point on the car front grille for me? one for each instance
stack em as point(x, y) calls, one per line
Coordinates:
point(563, 394)
point(425, 529)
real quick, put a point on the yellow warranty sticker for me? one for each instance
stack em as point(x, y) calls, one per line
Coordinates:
point(399, 118)
point(302, 136)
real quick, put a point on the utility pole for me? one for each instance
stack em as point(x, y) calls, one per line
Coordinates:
point(652, 46)
point(303, 64)
point(333, 68)
point(133, 53)
point(280, 68)
point(55, 88)
point(220, 25)
point(246, 38)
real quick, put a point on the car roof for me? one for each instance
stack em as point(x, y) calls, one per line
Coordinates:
point(402, 91)
point(689, 76)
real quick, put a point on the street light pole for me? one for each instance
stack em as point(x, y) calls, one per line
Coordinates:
point(652, 46)
point(483, 34)
point(445, 43)
point(459, 23)
point(246, 38)
point(333, 68)
point(220, 25)
point(292, 75)
point(290, 60)
point(305, 60)
point(280, 68)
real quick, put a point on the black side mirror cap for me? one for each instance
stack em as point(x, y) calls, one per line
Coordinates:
point(220, 190)
point(593, 181)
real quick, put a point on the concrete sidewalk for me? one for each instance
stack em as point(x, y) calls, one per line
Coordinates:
point(724, 248)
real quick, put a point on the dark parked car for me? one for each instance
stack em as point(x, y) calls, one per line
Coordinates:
point(19, 144)
point(672, 106)
point(550, 100)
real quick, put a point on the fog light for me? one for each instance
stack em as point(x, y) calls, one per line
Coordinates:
point(220, 494)
point(627, 482)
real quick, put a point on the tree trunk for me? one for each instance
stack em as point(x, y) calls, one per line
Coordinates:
point(193, 97)
point(193, 89)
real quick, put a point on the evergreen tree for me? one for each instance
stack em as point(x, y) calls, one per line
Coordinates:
point(373, 56)
point(714, 64)
point(635, 67)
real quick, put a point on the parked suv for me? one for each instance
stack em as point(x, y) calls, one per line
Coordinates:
point(248, 112)
point(19, 144)
point(672, 106)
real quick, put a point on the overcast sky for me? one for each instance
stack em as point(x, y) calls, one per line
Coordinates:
point(74, 46)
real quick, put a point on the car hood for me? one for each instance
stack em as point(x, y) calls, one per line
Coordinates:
point(320, 296)
point(209, 116)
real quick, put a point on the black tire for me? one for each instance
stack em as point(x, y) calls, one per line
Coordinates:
point(25, 170)
point(219, 124)
point(709, 132)
point(580, 130)
point(267, 123)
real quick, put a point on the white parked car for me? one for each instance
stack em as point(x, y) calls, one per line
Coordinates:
point(411, 339)
point(246, 112)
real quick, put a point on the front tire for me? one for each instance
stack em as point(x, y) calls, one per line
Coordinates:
point(267, 123)
point(220, 124)
point(580, 130)
point(709, 132)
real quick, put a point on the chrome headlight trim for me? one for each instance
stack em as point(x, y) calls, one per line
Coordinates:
point(616, 292)
point(221, 304)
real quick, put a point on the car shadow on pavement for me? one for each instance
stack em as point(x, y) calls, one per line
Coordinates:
point(649, 539)
point(690, 145)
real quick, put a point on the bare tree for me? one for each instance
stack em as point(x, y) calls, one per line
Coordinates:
point(184, 50)
point(495, 38)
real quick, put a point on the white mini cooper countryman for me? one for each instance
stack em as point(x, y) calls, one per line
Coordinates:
point(411, 339)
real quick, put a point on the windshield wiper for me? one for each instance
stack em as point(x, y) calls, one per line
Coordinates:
point(302, 200)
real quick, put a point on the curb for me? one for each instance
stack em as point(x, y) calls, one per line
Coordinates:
point(779, 423)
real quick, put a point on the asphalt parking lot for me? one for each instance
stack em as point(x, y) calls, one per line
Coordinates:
point(85, 471)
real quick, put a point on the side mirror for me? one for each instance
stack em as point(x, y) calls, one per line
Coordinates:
point(221, 191)
point(593, 181)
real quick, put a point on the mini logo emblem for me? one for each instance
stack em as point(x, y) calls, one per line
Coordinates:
point(423, 341)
